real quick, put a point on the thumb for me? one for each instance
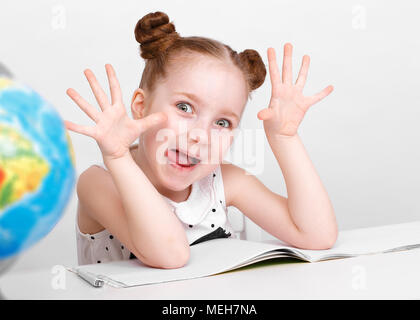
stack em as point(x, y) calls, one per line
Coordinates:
point(152, 120)
point(265, 114)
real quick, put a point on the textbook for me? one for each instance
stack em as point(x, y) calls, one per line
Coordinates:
point(220, 255)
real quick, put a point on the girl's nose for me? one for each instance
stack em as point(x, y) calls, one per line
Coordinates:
point(198, 134)
point(195, 133)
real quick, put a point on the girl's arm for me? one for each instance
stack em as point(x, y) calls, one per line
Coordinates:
point(100, 201)
point(306, 218)
point(308, 203)
point(153, 229)
point(271, 211)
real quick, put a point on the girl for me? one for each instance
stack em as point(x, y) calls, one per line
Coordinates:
point(153, 200)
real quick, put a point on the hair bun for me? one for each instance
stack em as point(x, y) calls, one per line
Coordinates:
point(155, 34)
point(256, 69)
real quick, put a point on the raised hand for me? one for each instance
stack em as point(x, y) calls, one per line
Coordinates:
point(287, 105)
point(114, 131)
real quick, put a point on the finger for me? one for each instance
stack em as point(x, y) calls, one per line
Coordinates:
point(85, 130)
point(303, 72)
point(320, 95)
point(265, 114)
point(151, 120)
point(114, 85)
point(274, 70)
point(287, 64)
point(100, 95)
point(93, 113)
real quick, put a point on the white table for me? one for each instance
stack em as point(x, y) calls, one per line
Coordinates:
point(381, 276)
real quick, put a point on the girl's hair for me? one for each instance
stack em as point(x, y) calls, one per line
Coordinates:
point(160, 45)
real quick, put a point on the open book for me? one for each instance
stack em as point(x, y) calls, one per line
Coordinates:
point(221, 255)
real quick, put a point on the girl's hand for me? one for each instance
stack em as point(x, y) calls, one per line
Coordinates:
point(114, 130)
point(287, 105)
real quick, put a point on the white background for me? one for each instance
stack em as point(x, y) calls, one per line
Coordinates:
point(363, 138)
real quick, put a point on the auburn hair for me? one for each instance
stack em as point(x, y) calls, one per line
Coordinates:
point(160, 45)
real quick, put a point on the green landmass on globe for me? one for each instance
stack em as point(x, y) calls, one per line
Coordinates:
point(21, 168)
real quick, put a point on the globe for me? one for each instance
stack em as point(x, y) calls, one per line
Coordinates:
point(37, 167)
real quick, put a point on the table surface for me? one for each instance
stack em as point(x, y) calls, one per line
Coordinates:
point(379, 276)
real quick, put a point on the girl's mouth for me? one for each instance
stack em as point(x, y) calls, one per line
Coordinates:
point(181, 161)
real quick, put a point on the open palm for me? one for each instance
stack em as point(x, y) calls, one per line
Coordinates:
point(114, 131)
point(287, 105)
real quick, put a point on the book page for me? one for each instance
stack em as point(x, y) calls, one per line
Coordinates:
point(206, 258)
point(369, 241)
point(220, 255)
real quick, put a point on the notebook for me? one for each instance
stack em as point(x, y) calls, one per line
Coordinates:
point(221, 255)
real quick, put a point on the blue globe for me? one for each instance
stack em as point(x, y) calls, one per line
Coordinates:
point(37, 167)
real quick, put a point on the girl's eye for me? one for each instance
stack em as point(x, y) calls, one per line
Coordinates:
point(184, 106)
point(227, 123)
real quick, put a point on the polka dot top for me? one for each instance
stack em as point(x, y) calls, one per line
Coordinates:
point(204, 213)
point(203, 216)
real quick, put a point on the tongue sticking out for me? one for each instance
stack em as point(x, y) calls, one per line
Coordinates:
point(180, 158)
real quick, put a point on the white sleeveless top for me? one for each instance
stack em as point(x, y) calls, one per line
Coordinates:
point(204, 213)
point(203, 216)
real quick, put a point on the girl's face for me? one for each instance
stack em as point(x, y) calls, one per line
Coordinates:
point(204, 100)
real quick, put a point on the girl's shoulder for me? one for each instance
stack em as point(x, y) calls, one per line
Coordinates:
point(90, 179)
point(96, 181)
point(94, 193)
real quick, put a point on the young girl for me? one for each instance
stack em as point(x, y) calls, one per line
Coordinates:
point(154, 199)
